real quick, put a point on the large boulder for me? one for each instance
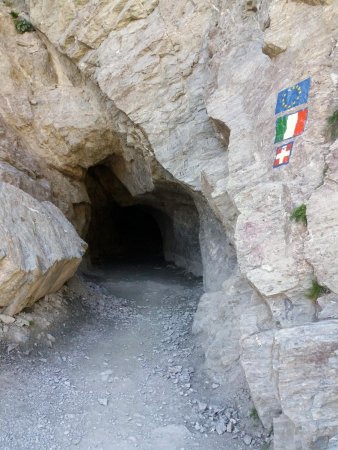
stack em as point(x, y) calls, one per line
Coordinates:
point(39, 249)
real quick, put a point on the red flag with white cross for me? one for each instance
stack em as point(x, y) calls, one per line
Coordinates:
point(283, 155)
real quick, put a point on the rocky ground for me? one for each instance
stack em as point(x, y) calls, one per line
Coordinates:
point(121, 372)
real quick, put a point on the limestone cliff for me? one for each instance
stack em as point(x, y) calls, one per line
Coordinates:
point(176, 100)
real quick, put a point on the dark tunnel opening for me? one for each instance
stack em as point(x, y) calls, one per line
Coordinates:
point(128, 233)
point(161, 225)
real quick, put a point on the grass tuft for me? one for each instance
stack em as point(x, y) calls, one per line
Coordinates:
point(316, 290)
point(254, 415)
point(299, 214)
point(21, 24)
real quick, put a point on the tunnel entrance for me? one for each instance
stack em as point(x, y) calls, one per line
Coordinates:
point(127, 233)
point(159, 225)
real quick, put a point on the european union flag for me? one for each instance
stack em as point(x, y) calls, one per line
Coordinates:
point(293, 96)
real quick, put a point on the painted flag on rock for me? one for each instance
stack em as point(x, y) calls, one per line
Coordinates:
point(283, 155)
point(293, 96)
point(290, 125)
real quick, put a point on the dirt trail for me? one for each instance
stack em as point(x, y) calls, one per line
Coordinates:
point(123, 373)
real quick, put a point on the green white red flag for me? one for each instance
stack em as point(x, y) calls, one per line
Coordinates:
point(290, 125)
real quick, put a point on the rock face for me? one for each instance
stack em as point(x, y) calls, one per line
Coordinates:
point(309, 353)
point(221, 343)
point(40, 250)
point(174, 102)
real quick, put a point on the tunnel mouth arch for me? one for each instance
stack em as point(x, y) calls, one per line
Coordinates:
point(161, 225)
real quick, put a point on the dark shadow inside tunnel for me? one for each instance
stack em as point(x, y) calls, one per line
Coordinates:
point(161, 225)
point(127, 233)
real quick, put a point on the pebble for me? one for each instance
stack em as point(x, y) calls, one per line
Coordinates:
point(50, 337)
point(202, 406)
point(247, 439)
point(6, 319)
point(103, 401)
point(229, 427)
point(221, 427)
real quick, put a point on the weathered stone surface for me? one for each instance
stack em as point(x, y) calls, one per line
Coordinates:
point(333, 443)
point(256, 358)
point(21, 168)
point(62, 117)
point(329, 306)
point(262, 240)
point(256, 317)
point(218, 253)
point(40, 250)
point(55, 111)
point(216, 322)
point(306, 366)
point(322, 243)
point(285, 435)
point(294, 370)
point(279, 36)
point(315, 2)
point(269, 246)
point(290, 312)
point(167, 69)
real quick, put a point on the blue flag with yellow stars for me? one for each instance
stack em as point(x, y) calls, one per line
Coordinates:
point(293, 96)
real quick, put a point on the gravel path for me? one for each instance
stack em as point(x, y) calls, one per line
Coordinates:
point(123, 373)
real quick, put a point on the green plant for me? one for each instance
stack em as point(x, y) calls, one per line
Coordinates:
point(316, 290)
point(265, 446)
point(254, 414)
point(31, 323)
point(22, 25)
point(333, 125)
point(299, 214)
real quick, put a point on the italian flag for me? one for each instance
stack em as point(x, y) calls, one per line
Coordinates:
point(290, 125)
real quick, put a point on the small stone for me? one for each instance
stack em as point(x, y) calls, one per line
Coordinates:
point(215, 385)
point(247, 439)
point(229, 427)
point(202, 406)
point(221, 427)
point(175, 370)
point(21, 322)
point(103, 401)
point(50, 337)
point(6, 319)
